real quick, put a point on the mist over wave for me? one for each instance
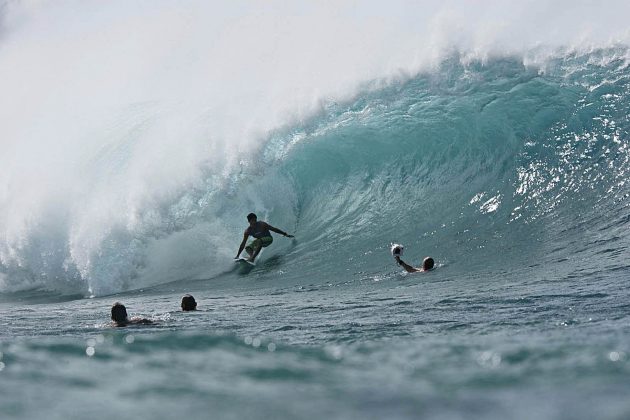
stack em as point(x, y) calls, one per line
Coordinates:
point(136, 138)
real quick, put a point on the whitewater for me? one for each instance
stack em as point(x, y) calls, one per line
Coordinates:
point(136, 137)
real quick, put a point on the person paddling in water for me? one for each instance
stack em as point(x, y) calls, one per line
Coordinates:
point(427, 264)
point(397, 251)
point(260, 231)
point(120, 318)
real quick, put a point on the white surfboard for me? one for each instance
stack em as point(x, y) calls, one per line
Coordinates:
point(245, 262)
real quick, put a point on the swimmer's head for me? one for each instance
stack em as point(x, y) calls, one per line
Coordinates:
point(428, 263)
point(119, 313)
point(251, 217)
point(188, 303)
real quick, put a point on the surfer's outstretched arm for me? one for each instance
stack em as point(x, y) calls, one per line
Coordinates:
point(240, 248)
point(281, 232)
point(406, 266)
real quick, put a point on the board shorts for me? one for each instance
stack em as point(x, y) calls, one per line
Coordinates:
point(264, 242)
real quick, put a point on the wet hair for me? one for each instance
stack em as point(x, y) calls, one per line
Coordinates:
point(188, 303)
point(252, 216)
point(428, 263)
point(119, 313)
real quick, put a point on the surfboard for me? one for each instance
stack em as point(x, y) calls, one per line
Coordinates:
point(243, 261)
point(242, 266)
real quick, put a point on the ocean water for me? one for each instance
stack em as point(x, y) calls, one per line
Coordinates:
point(510, 170)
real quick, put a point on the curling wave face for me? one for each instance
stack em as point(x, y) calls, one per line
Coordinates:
point(488, 166)
point(493, 165)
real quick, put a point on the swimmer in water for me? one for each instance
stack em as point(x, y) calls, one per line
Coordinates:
point(120, 318)
point(427, 264)
point(189, 303)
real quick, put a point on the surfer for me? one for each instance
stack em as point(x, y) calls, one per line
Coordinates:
point(119, 316)
point(260, 231)
point(189, 303)
point(427, 264)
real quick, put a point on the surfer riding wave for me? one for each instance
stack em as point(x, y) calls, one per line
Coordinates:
point(261, 232)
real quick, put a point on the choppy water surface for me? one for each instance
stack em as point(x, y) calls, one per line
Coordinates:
point(432, 345)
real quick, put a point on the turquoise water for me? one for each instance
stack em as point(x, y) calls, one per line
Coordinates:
point(512, 176)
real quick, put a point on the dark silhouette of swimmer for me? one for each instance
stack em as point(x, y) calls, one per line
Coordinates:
point(189, 303)
point(427, 264)
point(120, 318)
point(260, 231)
